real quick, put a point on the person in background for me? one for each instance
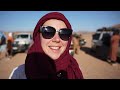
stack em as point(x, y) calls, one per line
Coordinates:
point(114, 44)
point(2, 45)
point(76, 44)
point(48, 57)
point(9, 44)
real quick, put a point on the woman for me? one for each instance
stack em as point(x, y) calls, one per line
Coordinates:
point(2, 45)
point(115, 39)
point(10, 45)
point(48, 57)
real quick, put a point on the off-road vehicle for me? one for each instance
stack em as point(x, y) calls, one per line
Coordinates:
point(101, 41)
point(22, 42)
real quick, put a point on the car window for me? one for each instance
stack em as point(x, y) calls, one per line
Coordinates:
point(96, 36)
point(106, 36)
point(106, 39)
point(22, 36)
point(30, 37)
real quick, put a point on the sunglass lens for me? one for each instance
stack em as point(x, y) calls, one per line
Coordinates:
point(65, 34)
point(48, 32)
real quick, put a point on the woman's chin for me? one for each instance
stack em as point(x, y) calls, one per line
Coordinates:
point(54, 57)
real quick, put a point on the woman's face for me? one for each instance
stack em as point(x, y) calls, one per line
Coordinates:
point(55, 46)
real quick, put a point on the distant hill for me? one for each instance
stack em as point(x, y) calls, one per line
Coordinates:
point(116, 26)
point(14, 33)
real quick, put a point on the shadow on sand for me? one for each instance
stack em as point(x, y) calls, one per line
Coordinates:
point(100, 53)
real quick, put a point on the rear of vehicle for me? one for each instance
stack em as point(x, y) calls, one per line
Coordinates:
point(96, 40)
point(101, 43)
point(82, 42)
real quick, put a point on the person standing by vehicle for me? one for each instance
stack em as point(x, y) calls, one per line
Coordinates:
point(9, 45)
point(2, 45)
point(115, 39)
point(48, 57)
point(76, 44)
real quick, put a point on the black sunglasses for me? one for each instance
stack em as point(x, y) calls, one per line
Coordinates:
point(48, 32)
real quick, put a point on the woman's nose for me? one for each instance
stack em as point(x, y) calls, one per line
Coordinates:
point(56, 38)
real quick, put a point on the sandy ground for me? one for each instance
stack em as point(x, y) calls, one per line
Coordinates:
point(91, 67)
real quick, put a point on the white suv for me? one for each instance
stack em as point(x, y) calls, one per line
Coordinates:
point(22, 42)
point(99, 38)
point(101, 42)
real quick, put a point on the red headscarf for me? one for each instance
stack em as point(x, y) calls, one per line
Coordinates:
point(39, 65)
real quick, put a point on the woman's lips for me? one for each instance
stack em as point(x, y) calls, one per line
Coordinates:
point(55, 48)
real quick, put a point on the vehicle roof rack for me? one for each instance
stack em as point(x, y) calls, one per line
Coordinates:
point(108, 29)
